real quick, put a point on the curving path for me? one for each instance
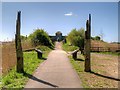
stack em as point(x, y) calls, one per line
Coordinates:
point(55, 72)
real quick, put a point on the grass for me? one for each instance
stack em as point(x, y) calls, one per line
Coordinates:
point(91, 80)
point(18, 80)
point(95, 79)
point(78, 66)
point(110, 53)
point(66, 47)
point(9, 54)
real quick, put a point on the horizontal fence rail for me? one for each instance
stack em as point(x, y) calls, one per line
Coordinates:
point(105, 49)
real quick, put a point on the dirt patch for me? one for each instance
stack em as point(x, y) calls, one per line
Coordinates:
point(104, 71)
point(106, 63)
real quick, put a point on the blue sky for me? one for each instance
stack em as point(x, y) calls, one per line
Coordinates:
point(53, 17)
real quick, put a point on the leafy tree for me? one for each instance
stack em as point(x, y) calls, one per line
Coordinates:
point(76, 37)
point(40, 37)
point(23, 37)
point(97, 38)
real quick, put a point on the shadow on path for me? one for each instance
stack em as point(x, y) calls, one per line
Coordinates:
point(108, 77)
point(44, 58)
point(38, 80)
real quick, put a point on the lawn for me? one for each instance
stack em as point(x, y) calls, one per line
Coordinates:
point(18, 80)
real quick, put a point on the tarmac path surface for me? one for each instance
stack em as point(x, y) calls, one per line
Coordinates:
point(55, 72)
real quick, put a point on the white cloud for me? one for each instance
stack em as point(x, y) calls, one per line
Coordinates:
point(69, 14)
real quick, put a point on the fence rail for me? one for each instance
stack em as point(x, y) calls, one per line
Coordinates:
point(105, 49)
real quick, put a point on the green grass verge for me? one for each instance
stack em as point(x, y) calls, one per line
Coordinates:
point(79, 67)
point(66, 47)
point(18, 80)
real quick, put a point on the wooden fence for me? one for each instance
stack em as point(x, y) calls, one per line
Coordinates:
point(9, 55)
point(105, 49)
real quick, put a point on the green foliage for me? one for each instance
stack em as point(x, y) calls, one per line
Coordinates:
point(43, 48)
point(95, 38)
point(67, 47)
point(40, 37)
point(23, 37)
point(76, 37)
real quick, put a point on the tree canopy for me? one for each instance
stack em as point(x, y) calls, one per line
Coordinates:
point(76, 37)
point(96, 38)
point(40, 37)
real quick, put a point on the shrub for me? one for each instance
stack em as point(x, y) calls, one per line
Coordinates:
point(76, 37)
point(23, 37)
point(96, 38)
point(40, 37)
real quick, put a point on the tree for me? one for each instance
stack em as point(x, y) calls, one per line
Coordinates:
point(97, 38)
point(23, 37)
point(40, 37)
point(76, 37)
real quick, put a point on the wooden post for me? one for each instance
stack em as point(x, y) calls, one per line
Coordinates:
point(88, 45)
point(19, 52)
point(75, 55)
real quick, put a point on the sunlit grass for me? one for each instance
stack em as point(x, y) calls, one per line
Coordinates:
point(99, 63)
point(18, 80)
point(67, 47)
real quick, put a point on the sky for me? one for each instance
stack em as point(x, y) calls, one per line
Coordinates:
point(60, 16)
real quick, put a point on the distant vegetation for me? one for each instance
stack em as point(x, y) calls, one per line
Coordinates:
point(76, 37)
point(9, 58)
point(23, 37)
point(69, 48)
point(40, 37)
point(96, 38)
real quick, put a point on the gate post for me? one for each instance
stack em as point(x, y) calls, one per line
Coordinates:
point(88, 45)
point(19, 52)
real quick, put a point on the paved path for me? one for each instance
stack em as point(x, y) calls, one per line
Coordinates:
point(55, 72)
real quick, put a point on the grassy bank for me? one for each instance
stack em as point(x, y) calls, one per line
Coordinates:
point(31, 62)
point(104, 70)
point(98, 78)
point(67, 47)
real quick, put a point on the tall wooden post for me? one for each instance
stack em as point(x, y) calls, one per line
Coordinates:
point(88, 45)
point(19, 53)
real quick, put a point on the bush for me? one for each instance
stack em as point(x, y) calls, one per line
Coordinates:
point(95, 38)
point(76, 37)
point(40, 37)
point(23, 37)
point(67, 47)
